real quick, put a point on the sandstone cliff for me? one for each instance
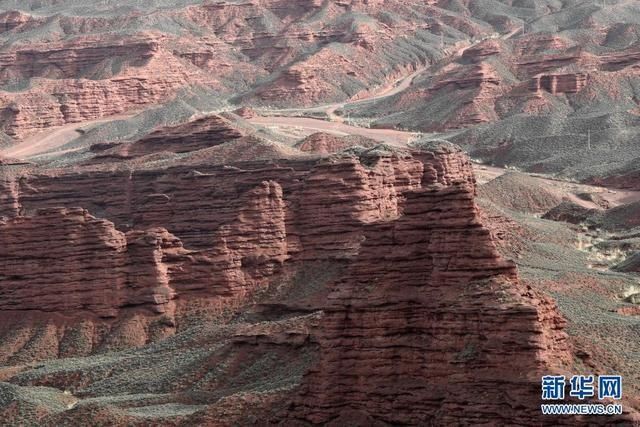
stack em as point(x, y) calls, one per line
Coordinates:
point(92, 266)
point(431, 325)
point(424, 325)
point(235, 228)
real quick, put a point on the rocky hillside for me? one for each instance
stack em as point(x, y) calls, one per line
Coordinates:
point(235, 231)
point(273, 212)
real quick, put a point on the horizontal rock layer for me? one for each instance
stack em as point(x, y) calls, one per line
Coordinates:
point(73, 59)
point(559, 83)
point(238, 224)
point(198, 134)
point(430, 325)
point(66, 260)
point(426, 323)
point(88, 79)
point(210, 196)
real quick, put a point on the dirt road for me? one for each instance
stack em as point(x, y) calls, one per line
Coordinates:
point(302, 126)
point(565, 189)
point(52, 139)
point(391, 89)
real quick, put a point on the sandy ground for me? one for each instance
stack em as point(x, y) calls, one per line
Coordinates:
point(564, 189)
point(299, 126)
point(53, 138)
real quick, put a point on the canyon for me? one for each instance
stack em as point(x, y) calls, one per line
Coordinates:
point(334, 213)
point(410, 214)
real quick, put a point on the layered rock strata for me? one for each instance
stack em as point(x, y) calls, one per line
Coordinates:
point(425, 325)
point(96, 268)
point(230, 228)
point(430, 325)
point(210, 196)
point(12, 19)
point(78, 58)
point(197, 134)
point(66, 260)
point(88, 79)
point(559, 83)
point(324, 143)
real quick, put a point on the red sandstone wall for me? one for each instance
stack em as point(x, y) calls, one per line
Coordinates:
point(430, 325)
point(238, 224)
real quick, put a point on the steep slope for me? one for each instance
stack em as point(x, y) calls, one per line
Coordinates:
point(165, 261)
point(428, 322)
point(552, 89)
point(395, 230)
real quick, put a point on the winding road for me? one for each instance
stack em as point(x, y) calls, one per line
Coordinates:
point(280, 120)
point(283, 120)
point(53, 138)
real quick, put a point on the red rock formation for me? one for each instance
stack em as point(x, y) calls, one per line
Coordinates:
point(620, 60)
point(211, 196)
point(77, 82)
point(255, 244)
point(474, 89)
point(339, 197)
point(625, 179)
point(245, 112)
point(427, 321)
point(539, 64)
point(243, 227)
point(152, 256)
point(430, 325)
point(445, 164)
point(98, 269)
point(539, 43)
point(475, 76)
point(194, 135)
point(75, 59)
point(559, 83)
point(300, 83)
point(456, 96)
point(9, 197)
point(77, 101)
point(109, 63)
point(92, 266)
point(324, 143)
point(482, 50)
point(239, 225)
point(12, 19)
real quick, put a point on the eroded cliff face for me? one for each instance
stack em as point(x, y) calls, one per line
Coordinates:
point(94, 64)
point(96, 268)
point(431, 325)
point(559, 83)
point(146, 78)
point(92, 267)
point(426, 322)
point(231, 229)
point(72, 284)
